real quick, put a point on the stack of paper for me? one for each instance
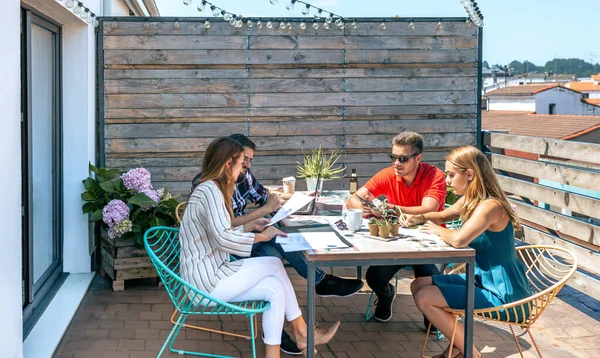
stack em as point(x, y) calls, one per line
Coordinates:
point(310, 240)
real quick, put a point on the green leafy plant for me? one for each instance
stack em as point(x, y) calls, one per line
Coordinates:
point(126, 205)
point(373, 221)
point(318, 158)
point(387, 215)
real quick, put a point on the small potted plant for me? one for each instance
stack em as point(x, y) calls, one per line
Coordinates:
point(318, 161)
point(395, 226)
point(373, 228)
point(384, 227)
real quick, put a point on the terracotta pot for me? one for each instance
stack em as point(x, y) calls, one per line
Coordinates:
point(384, 231)
point(373, 229)
point(395, 228)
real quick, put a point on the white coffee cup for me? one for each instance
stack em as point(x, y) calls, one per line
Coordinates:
point(353, 219)
point(289, 185)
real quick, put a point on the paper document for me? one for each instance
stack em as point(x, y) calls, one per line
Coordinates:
point(417, 233)
point(310, 240)
point(296, 202)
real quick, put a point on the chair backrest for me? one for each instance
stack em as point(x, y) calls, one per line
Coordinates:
point(548, 270)
point(179, 210)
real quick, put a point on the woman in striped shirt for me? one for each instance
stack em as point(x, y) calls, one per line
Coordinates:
point(207, 241)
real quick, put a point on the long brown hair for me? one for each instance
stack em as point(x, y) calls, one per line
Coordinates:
point(484, 184)
point(217, 154)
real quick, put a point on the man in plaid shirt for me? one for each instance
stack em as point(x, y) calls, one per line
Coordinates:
point(249, 189)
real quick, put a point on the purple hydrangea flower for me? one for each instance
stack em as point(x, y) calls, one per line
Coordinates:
point(138, 179)
point(152, 194)
point(115, 212)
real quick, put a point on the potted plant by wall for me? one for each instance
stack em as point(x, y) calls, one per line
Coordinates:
point(373, 228)
point(125, 206)
point(317, 161)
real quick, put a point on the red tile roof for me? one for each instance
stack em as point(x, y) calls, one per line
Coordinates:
point(522, 90)
point(539, 125)
point(584, 86)
point(594, 101)
point(596, 77)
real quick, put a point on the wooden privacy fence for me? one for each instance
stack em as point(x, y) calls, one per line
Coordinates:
point(169, 87)
point(564, 209)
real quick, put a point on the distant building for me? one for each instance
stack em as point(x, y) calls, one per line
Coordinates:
point(591, 88)
point(542, 99)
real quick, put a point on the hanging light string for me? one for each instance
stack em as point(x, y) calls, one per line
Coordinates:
point(233, 19)
point(320, 13)
point(83, 11)
point(473, 11)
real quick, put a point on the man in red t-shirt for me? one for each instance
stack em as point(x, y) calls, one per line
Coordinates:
point(411, 187)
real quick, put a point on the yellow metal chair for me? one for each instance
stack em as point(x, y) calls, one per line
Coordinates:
point(548, 269)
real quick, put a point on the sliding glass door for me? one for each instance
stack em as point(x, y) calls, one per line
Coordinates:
point(41, 164)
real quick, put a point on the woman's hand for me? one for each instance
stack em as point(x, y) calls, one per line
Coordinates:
point(269, 233)
point(259, 224)
point(432, 228)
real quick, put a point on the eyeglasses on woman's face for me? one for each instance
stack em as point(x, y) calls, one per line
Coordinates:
point(403, 159)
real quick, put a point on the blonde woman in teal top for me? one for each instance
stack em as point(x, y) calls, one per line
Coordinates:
point(488, 227)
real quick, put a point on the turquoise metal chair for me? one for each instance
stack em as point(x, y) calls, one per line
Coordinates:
point(454, 225)
point(162, 244)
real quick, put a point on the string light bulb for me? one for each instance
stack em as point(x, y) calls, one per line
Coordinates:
point(315, 26)
point(259, 24)
point(70, 3)
point(302, 26)
point(354, 25)
point(439, 26)
point(85, 13)
point(187, 2)
point(282, 25)
point(411, 25)
point(226, 16)
point(326, 25)
point(215, 11)
point(202, 6)
point(273, 2)
point(249, 23)
point(269, 25)
point(290, 4)
point(290, 26)
point(339, 22)
point(207, 24)
point(77, 9)
point(95, 22)
point(319, 14)
point(382, 26)
point(306, 10)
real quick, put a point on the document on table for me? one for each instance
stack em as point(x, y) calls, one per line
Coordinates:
point(310, 240)
point(417, 234)
point(296, 202)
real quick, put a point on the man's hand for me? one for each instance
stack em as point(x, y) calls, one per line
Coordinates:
point(274, 202)
point(259, 224)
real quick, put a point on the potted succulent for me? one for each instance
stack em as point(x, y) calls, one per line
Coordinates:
point(384, 227)
point(395, 223)
point(318, 161)
point(124, 206)
point(373, 228)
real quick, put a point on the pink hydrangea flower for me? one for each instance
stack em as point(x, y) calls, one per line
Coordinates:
point(138, 179)
point(115, 212)
point(152, 194)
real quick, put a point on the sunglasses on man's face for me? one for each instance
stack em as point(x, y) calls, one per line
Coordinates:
point(403, 159)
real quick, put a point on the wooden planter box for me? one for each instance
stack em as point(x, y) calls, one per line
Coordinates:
point(124, 260)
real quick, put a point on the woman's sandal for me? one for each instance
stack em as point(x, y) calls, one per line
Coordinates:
point(321, 337)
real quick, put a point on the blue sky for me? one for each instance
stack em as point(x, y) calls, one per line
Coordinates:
point(533, 30)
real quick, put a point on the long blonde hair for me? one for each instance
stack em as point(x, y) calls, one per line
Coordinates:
point(213, 168)
point(484, 184)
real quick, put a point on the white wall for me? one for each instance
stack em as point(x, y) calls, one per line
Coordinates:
point(11, 325)
point(115, 8)
point(511, 104)
point(567, 102)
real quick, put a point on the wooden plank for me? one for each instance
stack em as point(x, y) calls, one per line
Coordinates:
point(577, 203)
point(429, 140)
point(132, 262)
point(176, 100)
point(220, 28)
point(362, 98)
point(191, 130)
point(430, 111)
point(410, 56)
point(589, 152)
point(199, 144)
point(395, 72)
point(230, 57)
point(561, 223)
point(189, 86)
point(133, 273)
point(586, 258)
point(262, 159)
point(210, 85)
point(174, 42)
point(560, 174)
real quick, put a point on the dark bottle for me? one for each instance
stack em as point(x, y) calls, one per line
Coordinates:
point(353, 182)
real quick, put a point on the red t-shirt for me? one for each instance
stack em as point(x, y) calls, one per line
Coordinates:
point(430, 181)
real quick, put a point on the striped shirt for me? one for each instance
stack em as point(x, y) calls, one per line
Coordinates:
point(207, 239)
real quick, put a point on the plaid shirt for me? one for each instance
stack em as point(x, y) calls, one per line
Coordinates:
point(249, 189)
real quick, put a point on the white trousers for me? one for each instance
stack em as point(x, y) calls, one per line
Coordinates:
point(262, 278)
